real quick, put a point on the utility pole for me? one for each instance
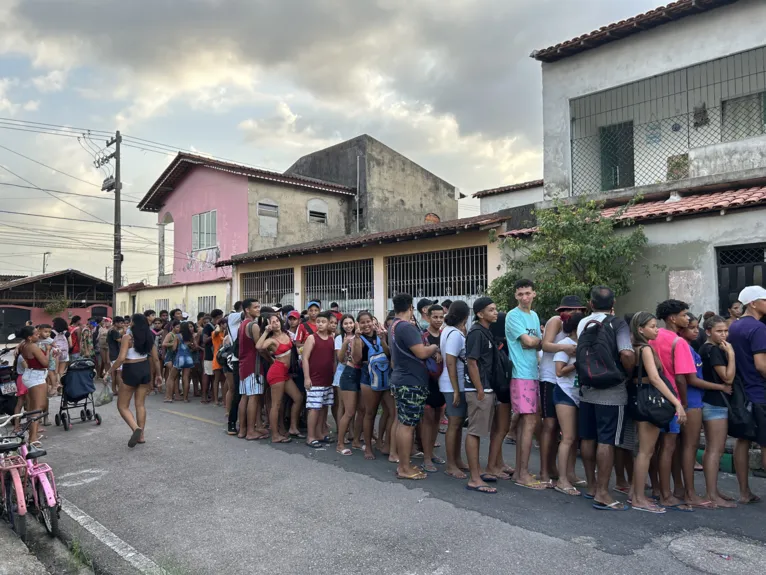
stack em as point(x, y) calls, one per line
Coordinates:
point(116, 185)
point(45, 255)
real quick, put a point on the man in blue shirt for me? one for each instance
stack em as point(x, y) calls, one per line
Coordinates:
point(747, 336)
point(522, 330)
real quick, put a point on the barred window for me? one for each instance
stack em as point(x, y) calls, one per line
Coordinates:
point(161, 304)
point(206, 303)
point(744, 117)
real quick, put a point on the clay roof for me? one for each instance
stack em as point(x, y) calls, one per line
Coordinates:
point(686, 205)
point(417, 232)
point(184, 162)
point(41, 277)
point(511, 188)
point(138, 286)
point(623, 28)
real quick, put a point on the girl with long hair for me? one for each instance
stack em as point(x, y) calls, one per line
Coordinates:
point(368, 343)
point(170, 343)
point(183, 361)
point(35, 372)
point(643, 328)
point(137, 349)
point(343, 346)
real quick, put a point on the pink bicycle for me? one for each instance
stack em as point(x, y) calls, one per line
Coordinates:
point(26, 482)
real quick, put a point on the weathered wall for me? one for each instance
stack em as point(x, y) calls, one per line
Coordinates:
point(497, 202)
point(727, 157)
point(203, 190)
point(670, 47)
point(183, 297)
point(292, 226)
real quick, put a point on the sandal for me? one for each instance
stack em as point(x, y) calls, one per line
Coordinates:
point(535, 485)
point(417, 476)
point(427, 469)
point(316, 444)
point(455, 475)
point(568, 491)
point(344, 451)
point(438, 460)
point(613, 506)
point(481, 488)
point(651, 509)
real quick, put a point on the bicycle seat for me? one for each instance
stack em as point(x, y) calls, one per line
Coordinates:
point(35, 452)
point(9, 444)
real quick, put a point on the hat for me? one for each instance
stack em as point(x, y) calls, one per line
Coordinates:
point(425, 302)
point(313, 303)
point(570, 302)
point(751, 294)
point(184, 315)
point(481, 303)
point(294, 314)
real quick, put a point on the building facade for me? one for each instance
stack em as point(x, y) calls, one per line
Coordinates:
point(507, 197)
point(192, 297)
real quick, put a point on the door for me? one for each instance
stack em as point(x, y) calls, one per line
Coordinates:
point(617, 163)
point(132, 304)
point(738, 267)
point(99, 311)
point(12, 319)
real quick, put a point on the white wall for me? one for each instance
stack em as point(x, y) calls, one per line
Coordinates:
point(691, 40)
point(504, 201)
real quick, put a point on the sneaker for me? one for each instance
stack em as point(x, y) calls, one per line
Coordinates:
point(232, 430)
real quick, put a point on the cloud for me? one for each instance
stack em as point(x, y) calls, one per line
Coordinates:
point(52, 82)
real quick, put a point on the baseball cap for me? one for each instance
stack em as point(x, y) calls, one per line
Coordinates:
point(751, 294)
point(184, 315)
point(482, 303)
point(570, 302)
point(294, 314)
point(425, 302)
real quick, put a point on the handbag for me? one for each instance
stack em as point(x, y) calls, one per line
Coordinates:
point(648, 404)
point(741, 421)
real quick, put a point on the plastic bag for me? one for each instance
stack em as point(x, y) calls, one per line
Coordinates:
point(104, 396)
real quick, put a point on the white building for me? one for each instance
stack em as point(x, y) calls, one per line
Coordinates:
point(512, 196)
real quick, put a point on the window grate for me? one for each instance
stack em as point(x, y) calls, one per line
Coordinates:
point(350, 284)
point(206, 303)
point(268, 210)
point(741, 255)
point(161, 304)
point(317, 217)
point(269, 287)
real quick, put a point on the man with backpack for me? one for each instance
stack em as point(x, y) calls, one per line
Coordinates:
point(604, 358)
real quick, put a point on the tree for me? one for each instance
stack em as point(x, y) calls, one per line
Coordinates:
point(574, 248)
point(56, 306)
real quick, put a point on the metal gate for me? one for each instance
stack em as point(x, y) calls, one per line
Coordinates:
point(348, 283)
point(738, 267)
point(11, 320)
point(459, 274)
point(269, 287)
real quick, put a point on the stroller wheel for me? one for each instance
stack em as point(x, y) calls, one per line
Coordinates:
point(57, 419)
point(89, 414)
point(65, 422)
point(98, 419)
point(82, 414)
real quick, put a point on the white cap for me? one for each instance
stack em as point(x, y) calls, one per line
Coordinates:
point(184, 315)
point(751, 294)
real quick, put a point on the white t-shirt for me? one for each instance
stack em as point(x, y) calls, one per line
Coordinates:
point(338, 342)
point(566, 383)
point(452, 342)
point(547, 369)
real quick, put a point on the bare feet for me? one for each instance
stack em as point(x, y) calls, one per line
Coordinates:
point(721, 502)
point(455, 472)
point(368, 454)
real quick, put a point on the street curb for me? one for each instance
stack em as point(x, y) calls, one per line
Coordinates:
point(15, 557)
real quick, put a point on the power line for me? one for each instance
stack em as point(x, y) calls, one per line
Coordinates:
point(102, 222)
point(59, 126)
point(65, 193)
point(33, 131)
point(49, 167)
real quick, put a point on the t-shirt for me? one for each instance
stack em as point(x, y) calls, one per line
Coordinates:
point(684, 362)
point(518, 323)
point(113, 342)
point(712, 355)
point(547, 369)
point(452, 342)
point(217, 339)
point(748, 336)
point(567, 382)
point(408, 369)
point(207, 332)
point(479, 346)
point(303, 332)
point(618, 394)
point(694, 394)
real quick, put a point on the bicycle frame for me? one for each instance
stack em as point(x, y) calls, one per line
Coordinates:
point(42, 473)
point(15, 467)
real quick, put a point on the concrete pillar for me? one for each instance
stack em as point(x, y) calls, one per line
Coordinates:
point(495, 262)
point(298, 287)
point(381, 287)
point(234, 287)
point(160, 251)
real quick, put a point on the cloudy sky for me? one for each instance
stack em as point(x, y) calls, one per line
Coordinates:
point(448, 83)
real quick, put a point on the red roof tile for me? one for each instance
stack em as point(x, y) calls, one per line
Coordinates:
point(687, 205)
point(623, 28)
point(511, 188)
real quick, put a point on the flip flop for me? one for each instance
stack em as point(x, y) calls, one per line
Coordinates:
point(453, 476)
point(703, 505)
point(752, 499)
point(588, 495)
point(481, 489)
point(504, 476)
point(438, 460)
point(510, 441)
point(621, 490)
point(298, 435)
point(326, 439)
point(568, 491)
point(535, 485)
point(346, 452)
point(655, 509)
point(679, 507)
point(488, 478)
point(316, 444)
point(580, 483)
point(134, 437)
point(285, 440)
point(613, 506)
point(417, 476)
point(427, 470)
point(417, 455)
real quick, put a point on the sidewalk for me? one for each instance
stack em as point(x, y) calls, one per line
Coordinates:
point(15, 558)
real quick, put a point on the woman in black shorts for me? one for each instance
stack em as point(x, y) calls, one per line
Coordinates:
point(136, 350)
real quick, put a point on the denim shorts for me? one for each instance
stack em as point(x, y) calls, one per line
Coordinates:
point(349, 379)
point(560, 397)
point(713, 412)
point(673, 426)
point(459, 411)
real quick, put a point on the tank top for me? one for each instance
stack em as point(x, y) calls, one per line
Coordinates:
point(547, 366)
point(321, 362)
point(33, 362)
point(283, 348)
point(75, 338)
point(247, 352)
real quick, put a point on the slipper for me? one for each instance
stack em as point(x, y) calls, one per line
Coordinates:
point(487, 478)
point(698, 467)
point(654, 509)
point(438, 460)
point(503, 475)
point(613, 506)
point(510, 441)
point(425, 468)
point(464, 476)
point(418, 475)
point(535, 485)
point(134, 437)
point(168, 401)
point(567, 491)
point(703, 505)
point(621, 490)
point(752, 499)
point(298, 435)
point(417, 455)
point(588, 496)
point(481, 488)
point(548, 484)
point(679, 507)
point(345, 452)
point(316, 444)
point(285, 440)
point(581, 482)
point(326, 439)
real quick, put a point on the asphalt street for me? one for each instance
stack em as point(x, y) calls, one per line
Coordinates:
point(194, 500)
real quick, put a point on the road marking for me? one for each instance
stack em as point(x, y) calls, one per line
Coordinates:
point(194, 417)
point(81, 477)
point(130, 554)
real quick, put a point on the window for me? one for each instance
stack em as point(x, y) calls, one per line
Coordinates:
point(160, 304)
point(268, 218)
point(123, 308)
point(204, 230)
point(206, 303)
point(317, 217)
point(744, 117)
point(317, 211)
point(268, 209)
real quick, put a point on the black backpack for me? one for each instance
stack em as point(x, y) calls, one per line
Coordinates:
point(741, 421)
point(597, 357)
point(502, 367)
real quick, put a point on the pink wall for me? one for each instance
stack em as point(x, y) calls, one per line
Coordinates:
point(202, 190)
point(37, 314)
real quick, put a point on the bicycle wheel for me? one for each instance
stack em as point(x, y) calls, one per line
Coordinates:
point(48, 515)
point(18, 522)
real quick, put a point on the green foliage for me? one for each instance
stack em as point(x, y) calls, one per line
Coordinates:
point(56, 306)
point(574, 249)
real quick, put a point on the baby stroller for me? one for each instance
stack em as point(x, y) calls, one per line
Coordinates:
point(79, 386)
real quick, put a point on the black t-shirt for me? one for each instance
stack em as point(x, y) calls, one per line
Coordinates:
point(113, 342)
point(207, 332)
point(433, 339)
point(479, 346)
point(366, 350)
point(712, 355)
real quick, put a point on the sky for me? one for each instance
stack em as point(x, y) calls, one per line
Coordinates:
point(447, 83)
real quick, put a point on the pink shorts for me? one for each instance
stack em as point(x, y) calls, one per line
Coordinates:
point(524, 395)
point(21, 389)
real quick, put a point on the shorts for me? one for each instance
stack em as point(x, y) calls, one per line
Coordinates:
point(604, 423)
point(183, 361)
point(410, 403)
point(713, 412)
point(350, 378)
point(480, 413)
point(21, 389)
point(673, 426)
point(693, 397)
point(435, 397)
point(524, 395)
point(546, 399)
point(318, 397)
point(336, 377)
point(503, 396)
point(759, 414)
point(63, 356)
point(278, 373)
point(251, 385)
point(135, 374)
point(170, 358)
point(208, 367)
point(459, 411)
point(34, 377)
point(560, 397)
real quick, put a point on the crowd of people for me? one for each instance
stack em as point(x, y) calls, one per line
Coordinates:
point(626, 394)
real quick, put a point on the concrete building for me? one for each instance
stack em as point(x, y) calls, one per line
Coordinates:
point(669, 105)
point(192, 297)
point(507, 197)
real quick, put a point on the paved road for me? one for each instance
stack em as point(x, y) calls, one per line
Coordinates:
point(194, 500)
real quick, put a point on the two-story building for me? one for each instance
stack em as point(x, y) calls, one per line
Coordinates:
point(670, 106)
point(511, 196)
